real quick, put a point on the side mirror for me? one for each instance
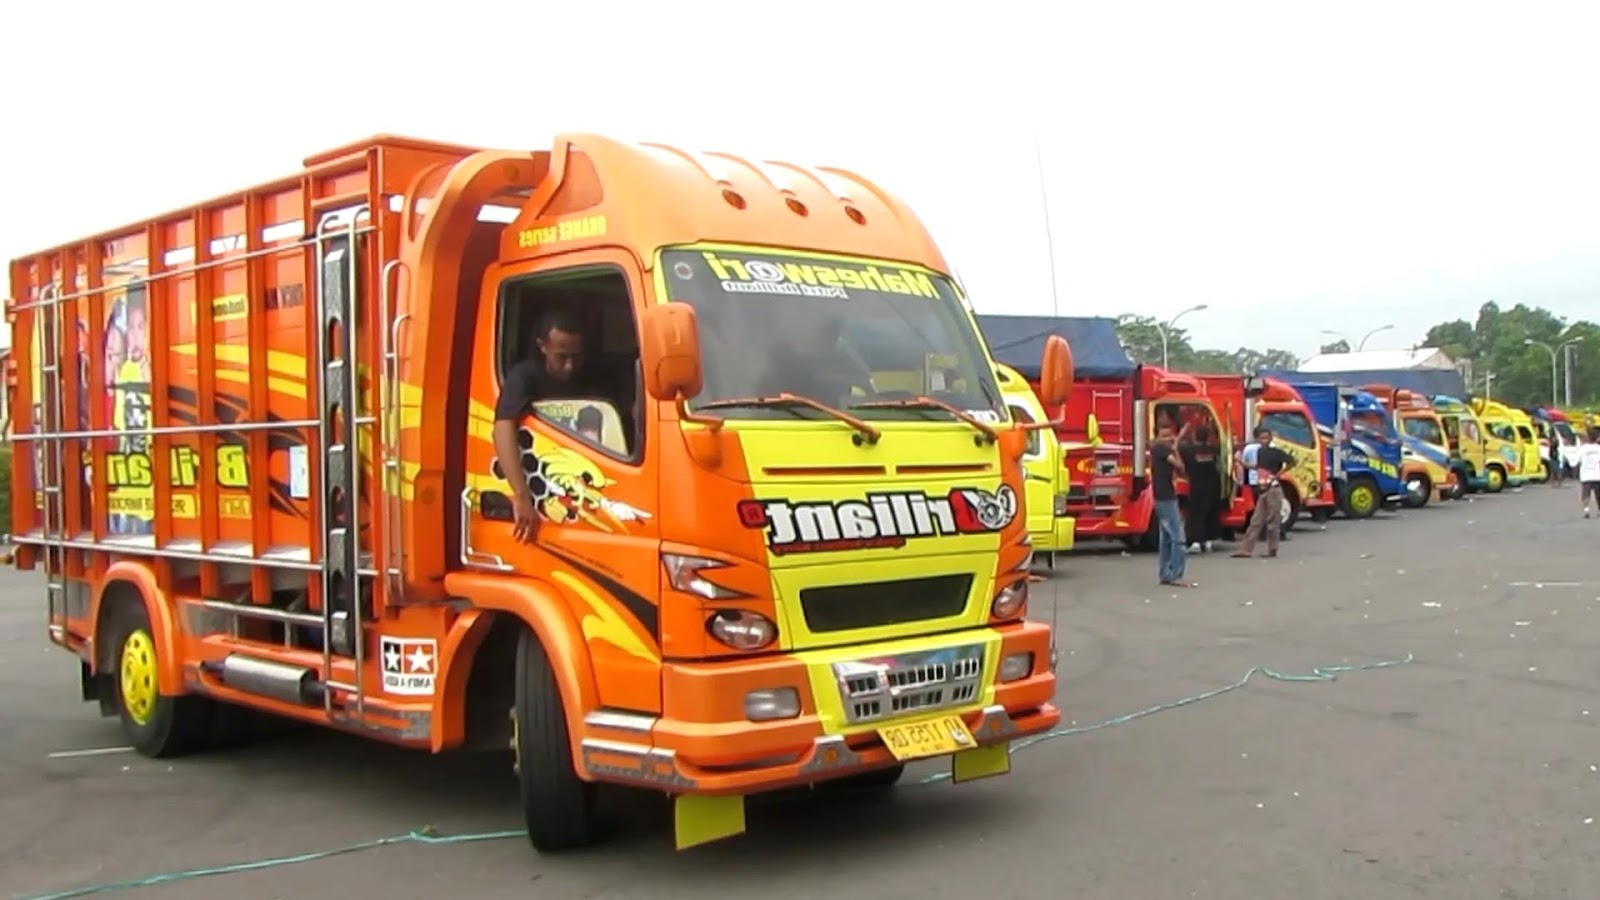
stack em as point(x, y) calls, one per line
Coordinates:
point(669, 348)
point(1055, 372)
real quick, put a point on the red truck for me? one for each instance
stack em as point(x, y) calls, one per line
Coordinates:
point(1108, 425)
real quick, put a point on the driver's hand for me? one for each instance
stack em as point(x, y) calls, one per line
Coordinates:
point(525, 526)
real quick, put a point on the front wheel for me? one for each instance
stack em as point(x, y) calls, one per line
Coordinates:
point(1497, 479)
point(557, 805)
point(1418, 492)
point(1361, 498)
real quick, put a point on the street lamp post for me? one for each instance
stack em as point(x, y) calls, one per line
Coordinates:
point(1162, 329)
point(1370, 334)
point(1555, 353)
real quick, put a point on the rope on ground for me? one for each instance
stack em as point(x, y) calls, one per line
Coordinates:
point(425, 835)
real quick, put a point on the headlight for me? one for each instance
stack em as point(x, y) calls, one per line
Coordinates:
point(1009, 603)
point(742, 629)
point(683, 573)
point(1061, 505)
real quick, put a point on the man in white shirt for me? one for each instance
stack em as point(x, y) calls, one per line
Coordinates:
point(1588, 464)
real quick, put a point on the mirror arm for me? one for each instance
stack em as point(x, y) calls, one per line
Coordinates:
point(712, 423)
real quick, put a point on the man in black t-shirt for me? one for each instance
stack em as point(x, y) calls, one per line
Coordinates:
point(1270, 463)
point(556, 373)
point(1165, 465)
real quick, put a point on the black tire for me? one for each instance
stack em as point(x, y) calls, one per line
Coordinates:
point(557, 805)
point(1423, 496)
point(1497, 478)
point(172, 726)
point(1365, 488)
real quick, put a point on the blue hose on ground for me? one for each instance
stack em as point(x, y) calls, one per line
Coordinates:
point(425, 835)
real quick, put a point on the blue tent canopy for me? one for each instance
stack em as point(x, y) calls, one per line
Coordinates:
point(1428, 382)
point(1018, 341)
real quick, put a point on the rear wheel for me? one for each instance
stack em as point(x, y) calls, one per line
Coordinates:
point(157, 726)
point(557, 805)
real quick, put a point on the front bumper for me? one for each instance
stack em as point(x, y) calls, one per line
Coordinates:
point(704, 743)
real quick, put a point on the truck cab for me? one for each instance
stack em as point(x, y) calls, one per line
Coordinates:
point(1426, 467)
point(1046, 478)
point(1364, 455)
point(1246, 403)
point(1512, 442)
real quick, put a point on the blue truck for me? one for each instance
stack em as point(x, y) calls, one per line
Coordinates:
point(1363, 450)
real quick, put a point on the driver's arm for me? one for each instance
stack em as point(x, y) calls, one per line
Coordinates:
point(516, 394)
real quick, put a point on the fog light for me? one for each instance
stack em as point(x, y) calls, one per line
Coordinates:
point(1012, 668)
point(742, 629)
point(1009, 602)
point(1061, 506)
point(772, 703)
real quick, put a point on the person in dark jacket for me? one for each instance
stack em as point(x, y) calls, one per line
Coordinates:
point(1200, 454)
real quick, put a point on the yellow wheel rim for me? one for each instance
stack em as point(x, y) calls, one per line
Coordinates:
point(138, 671)
point(1361, 499)
point(1495, 478)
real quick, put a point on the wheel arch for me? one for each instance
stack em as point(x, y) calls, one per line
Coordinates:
point(484, 641)
point(125, 582)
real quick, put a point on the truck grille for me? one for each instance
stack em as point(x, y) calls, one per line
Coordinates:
point(843, 607)
point(909, 682)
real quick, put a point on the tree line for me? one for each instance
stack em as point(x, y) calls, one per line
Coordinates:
point(1141, 337)
point(1492, 352)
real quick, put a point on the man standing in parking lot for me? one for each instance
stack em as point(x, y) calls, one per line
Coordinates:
point(1269, 463)
point(1165, 464)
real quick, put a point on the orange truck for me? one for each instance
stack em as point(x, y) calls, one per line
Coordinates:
point(1246, 403)
point(258, 471)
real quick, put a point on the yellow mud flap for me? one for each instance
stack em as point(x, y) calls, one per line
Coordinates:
point(698, 819)
point(981, 762)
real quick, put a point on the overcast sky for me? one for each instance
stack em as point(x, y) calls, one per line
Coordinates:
point(1297, 167)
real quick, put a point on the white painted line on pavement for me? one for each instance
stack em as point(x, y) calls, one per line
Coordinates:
point(96, 751)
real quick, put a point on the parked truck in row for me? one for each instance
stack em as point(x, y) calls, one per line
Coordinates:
point(258, 467)
point(1365, 454)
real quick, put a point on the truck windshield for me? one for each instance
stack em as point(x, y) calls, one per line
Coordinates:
point(1372, 422)
point(1425, 430)
point(844, 332)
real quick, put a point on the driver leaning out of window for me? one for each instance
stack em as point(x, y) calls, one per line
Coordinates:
point(556, 372)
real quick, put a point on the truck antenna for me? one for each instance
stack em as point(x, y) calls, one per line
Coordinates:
point(1055, 311)
point(1049, 239)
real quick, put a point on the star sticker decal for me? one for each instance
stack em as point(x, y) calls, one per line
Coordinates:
point(421, 660)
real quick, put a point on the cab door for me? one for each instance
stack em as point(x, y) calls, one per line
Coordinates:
point(1532, 464)
point(588, 459)
point(1473, 444)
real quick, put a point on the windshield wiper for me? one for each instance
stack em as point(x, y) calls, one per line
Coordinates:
point(865, 433)
point(984, 428)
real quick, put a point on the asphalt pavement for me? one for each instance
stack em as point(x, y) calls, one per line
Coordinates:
point(1469, 767)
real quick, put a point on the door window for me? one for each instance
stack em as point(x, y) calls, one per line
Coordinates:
point(1035, 438)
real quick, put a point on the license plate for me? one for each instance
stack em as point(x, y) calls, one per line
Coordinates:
point(930, 737)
